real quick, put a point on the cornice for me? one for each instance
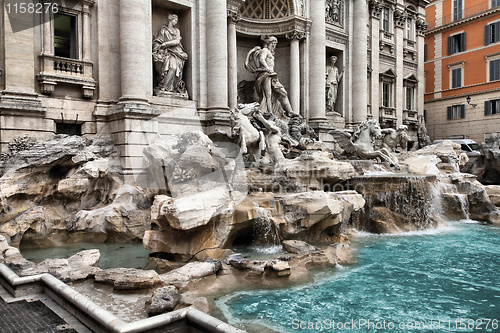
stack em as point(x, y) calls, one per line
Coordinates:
point(463, 21)
point(277, 27)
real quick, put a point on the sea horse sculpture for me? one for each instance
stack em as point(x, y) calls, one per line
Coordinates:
point(360, 143)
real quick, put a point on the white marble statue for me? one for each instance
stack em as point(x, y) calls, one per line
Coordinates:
point(257, 134)
point(169, 58)
point(360, 144)
point(273, 96)
point(332, 11)
point(333, 77)
point(394, 137)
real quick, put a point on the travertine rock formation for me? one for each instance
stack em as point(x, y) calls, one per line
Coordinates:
point(62, 190)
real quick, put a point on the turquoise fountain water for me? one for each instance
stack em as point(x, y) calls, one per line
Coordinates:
point(442, 280)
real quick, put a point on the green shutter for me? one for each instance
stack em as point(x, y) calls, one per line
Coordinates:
point(487, 34)
point(462, 111)
point(487, 108)
point(450, 112)
point(462, 42)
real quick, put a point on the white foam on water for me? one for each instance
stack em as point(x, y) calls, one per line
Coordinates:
point(440, 229)
point(271, 249)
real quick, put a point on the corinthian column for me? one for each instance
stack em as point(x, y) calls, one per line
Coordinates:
point(294, 94)
point(136, 50)
point(317, 62)
point(217, 55)
point(232, 66)
point(360, 62)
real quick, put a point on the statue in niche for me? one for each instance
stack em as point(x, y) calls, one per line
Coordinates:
point(169, 58)
point(273, 96)
point(332, 11)
point(394, 137)
point(333, 78)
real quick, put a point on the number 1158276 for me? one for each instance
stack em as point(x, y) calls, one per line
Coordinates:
point(31, 8)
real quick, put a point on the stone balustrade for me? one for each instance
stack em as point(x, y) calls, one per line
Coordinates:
point(65, 70)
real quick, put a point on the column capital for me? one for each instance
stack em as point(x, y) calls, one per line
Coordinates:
point(295, 35)
point(375, 8)
point(233, 15)
point(399, 18)
point(87, 4)
point(421, 27)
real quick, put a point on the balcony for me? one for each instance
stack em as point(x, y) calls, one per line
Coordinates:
point(387, 114)
point(468, 12)
point(410, 117)
point(56, 70)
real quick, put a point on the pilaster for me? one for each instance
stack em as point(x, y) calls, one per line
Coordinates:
point(374, 99)
point(399, 93)
point(232, 69)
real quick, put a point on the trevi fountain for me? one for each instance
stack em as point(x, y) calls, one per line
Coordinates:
point(264, 227)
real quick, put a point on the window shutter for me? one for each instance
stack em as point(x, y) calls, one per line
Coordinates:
point(462, 42)
point(487, 34)
point(459, 77)
point(487, 108)
point(450, 112)
point(496, 35)
point(462, 111)
point(495, 70)
point(497, 107)
point(425, 52)
point(450, 45)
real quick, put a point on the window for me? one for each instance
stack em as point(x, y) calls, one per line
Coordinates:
point(456, 43)
point(266, 9)
point(492, 107)
point(386, 20)
point(65, 36)
point(410, 98)
point(425, 52)
point(495, 3)
point(456, 111)
point(494, 70)
point(458, 9)
point(456, 77)
point(410, 35)
point(492, 33)
point(70, 129)
point(386, 94)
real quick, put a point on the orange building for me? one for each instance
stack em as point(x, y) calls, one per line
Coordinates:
point(462, 69)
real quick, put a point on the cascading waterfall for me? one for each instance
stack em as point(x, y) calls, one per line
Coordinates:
point(451, 191)
point(266, 231)
point(418, 200)
point(464, 205)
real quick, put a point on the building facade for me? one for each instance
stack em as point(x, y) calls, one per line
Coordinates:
point(90, 66)
point(462, 69)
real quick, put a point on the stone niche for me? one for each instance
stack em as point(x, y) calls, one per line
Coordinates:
point(341, 65)
point(281, 66)
point(160, 11)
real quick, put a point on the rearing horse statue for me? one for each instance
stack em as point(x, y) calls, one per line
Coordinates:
point(361, 144)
